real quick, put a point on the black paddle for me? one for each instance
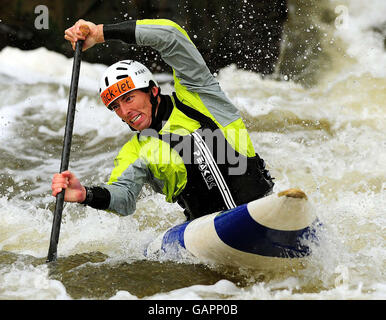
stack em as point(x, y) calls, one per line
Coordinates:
point(52, 252)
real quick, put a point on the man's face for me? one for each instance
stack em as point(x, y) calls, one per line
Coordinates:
point(134, 108)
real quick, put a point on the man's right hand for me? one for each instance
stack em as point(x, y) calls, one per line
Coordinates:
point(75, 192)
point(95, 35)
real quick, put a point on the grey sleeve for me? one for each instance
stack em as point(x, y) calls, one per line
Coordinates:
point(125, 190)
point(178, 51)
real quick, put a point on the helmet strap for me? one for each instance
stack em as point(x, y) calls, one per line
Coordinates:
point(154, 104)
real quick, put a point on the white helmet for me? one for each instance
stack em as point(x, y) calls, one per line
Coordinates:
point(123, 77)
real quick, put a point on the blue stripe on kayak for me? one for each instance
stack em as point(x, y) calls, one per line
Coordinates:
point(237, 229)
point(174, 235)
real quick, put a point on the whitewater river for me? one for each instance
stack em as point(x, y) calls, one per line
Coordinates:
point(319, 123)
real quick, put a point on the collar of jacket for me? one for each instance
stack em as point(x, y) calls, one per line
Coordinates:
point(164, 111)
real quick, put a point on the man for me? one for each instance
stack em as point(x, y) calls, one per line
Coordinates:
point(191, 146)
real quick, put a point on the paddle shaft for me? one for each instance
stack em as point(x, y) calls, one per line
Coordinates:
point(52, 252)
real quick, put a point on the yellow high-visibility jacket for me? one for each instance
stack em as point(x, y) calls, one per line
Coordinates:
point(145, 159)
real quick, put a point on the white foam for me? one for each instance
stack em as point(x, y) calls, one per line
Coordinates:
point(27, 67)
point(364, 44)
point(222, 288)
point(25, 282)
point(341, 167)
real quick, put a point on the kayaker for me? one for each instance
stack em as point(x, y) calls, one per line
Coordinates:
point(192, 146)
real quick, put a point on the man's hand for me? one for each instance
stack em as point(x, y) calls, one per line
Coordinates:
point(95, 35)
point(75, 192)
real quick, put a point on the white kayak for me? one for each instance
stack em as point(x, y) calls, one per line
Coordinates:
point(275, 230)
